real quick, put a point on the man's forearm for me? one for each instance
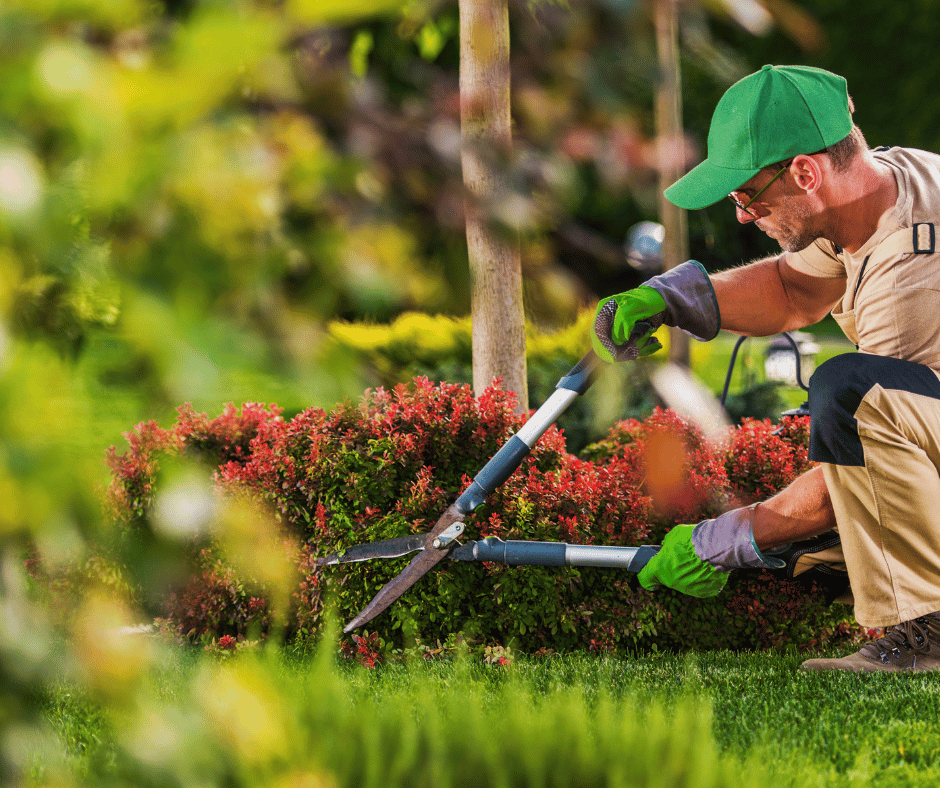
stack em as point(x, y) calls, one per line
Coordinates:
point(752, 299)
point(767, 296)
point(696, 559)
point(799, 511)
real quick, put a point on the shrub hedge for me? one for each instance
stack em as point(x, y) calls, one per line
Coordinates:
point(391, 464)
point(440, 348)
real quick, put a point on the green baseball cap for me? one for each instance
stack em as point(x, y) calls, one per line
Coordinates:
point(769, 116)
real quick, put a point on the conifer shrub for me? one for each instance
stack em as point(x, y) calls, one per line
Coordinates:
point(390, 465)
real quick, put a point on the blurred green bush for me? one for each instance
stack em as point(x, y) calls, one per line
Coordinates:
point(175, 222)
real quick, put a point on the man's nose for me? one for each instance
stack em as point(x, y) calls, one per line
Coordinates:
point(752, 214)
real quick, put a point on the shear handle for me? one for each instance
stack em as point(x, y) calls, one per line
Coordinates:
point(517, 448)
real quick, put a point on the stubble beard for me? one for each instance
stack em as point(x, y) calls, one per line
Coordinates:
point(793, 229)
point(797, 241)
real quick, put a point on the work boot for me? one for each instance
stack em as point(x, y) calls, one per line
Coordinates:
point(909, 646)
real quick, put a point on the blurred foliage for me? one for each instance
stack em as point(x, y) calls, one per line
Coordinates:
point(175, 223)
point(249, 719)
point(189, 189)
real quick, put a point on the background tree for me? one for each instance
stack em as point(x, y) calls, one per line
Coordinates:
point(493, 248)
point(671, 149)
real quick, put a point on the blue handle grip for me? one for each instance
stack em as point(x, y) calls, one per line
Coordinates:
point(518, 552)
point(494, 473)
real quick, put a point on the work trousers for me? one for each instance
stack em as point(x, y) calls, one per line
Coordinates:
point(876, 430)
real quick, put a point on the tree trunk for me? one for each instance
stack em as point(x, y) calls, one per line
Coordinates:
point(495, 264)
point(671, 147)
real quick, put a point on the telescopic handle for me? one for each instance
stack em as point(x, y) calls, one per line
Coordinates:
point(515, 450)
point(633, 559)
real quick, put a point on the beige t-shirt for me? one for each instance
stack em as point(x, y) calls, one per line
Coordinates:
point(891, 305)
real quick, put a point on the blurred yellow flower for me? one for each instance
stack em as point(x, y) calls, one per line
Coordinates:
point(112, 656)
point(245, 710)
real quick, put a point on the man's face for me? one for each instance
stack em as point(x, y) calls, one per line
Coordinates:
point(781, 210)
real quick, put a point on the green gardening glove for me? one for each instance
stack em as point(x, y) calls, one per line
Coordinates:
point(677, 566)
point(624, 324)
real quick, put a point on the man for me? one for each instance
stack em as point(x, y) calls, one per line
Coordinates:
point(857, 229)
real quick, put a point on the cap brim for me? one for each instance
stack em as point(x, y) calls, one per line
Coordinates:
point(707, 184)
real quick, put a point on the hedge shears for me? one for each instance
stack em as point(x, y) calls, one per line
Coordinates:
point(442, 540)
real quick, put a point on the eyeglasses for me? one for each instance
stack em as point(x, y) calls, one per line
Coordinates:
point(745, 206)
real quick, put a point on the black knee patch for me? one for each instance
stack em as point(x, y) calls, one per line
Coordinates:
point(838, 387)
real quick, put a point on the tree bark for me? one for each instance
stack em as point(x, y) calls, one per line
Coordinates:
point(495, 261)
point(671, 147)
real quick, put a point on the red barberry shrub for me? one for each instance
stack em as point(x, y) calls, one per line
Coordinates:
point(216, 603)
point(388, 464)
point(224, 439)
point(770, 612)
point(133, 474)
point(366, 650)
point(762, 460)
point(794, 430)
point(228, 437)
point(699, 483)
point(307, 600)
point(392, 464)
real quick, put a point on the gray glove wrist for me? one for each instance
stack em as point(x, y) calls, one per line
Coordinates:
point(690, 299)
point(727, 542)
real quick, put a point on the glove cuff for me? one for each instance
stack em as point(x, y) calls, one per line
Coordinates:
point(727, 542)
point(691, 303)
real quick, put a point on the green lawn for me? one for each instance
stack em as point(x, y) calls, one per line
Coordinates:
point(657, 720)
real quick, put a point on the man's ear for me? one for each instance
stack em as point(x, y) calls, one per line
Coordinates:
point(807, 173)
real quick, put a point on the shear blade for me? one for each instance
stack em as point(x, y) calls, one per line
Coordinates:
point(420, 565)
point(388, 548)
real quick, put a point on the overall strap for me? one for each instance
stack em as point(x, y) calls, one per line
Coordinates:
point(919, 239)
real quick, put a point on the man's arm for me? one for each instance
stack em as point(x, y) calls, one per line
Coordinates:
point(769, 296)
point(801, 510)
